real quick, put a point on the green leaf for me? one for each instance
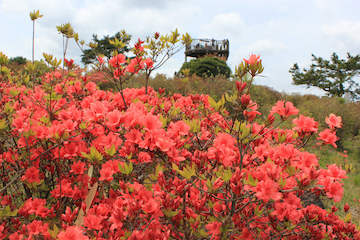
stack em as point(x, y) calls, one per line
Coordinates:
point(210, 204)
point(175, 167)
point(227, 97)
point(163, 120)
point(251, 181)
point(291, 227)
point(212, 103)
point(122, 170)
point(126, 169)
point(28, 134)
point(221, 102)
point(257, 212)
point(96, 156)
point(83, 125)
point(170, 213)
point(152, 177)
point(54, 232)
point(8, 213)
point(210, 185)
point(227, 175)
point(52, 96)
point(3, 124)
point(111, 151)
point(291, 170)
point(8, 108)
point(175, 110)
point(85, 155)
point(348, 217)
point(281, 137)
point(185, 173)
point(159, 168)
point(282, 182)
point(131, 168)
point(202, 232)
point(14, 92)
point(195, 126)
point(127, 235)
point(148, 184)
point(303, 227)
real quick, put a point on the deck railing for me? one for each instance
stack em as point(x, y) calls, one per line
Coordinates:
point(211, 44)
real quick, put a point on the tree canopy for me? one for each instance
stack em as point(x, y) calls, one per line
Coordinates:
point(18, 60)
point(335, 77)
point(16, 63)
point(207, 66)
point(104, 47)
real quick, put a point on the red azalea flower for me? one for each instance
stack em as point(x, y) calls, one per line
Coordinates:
point(117, 61)
point(268, 189)
point(284, 111)
point(151, 206)
point(32, 175)
point(78, 168)
point(333, 121)
point(328, 137)
point(214, 229)
point(287, 151)
point(335, 191)
point(335, 172)
point(72, 233)
point(16, 236)
point(92, 222)
point(149, 63)
point(106, 174)
point(305, 124)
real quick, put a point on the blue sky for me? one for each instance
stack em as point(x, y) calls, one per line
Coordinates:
point(282, 32)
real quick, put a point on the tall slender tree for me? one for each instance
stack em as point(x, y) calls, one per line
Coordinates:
point(33, 16)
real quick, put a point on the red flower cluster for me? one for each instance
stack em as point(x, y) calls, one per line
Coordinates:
point(91, 164)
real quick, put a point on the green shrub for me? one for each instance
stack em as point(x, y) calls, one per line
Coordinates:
point(207, 67)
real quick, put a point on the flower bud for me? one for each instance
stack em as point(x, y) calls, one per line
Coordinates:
point(304, 182)
point(83, 206)
point(157, 35)
point(236, 188)
point(346, 207)
point(240, 86)
point(245, 100)
point(334, 209)
point(161, 179)
point(270, 119)
point(313, 174)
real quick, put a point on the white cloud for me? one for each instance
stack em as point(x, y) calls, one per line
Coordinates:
point(267, 47)
point(346, 35)
point(225, 26)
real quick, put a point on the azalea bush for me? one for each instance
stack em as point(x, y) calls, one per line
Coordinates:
point(81, 163)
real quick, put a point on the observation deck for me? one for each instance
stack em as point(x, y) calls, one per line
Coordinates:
point(202, 47)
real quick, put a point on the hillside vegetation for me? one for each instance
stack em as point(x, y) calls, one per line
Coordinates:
point(347, 153)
